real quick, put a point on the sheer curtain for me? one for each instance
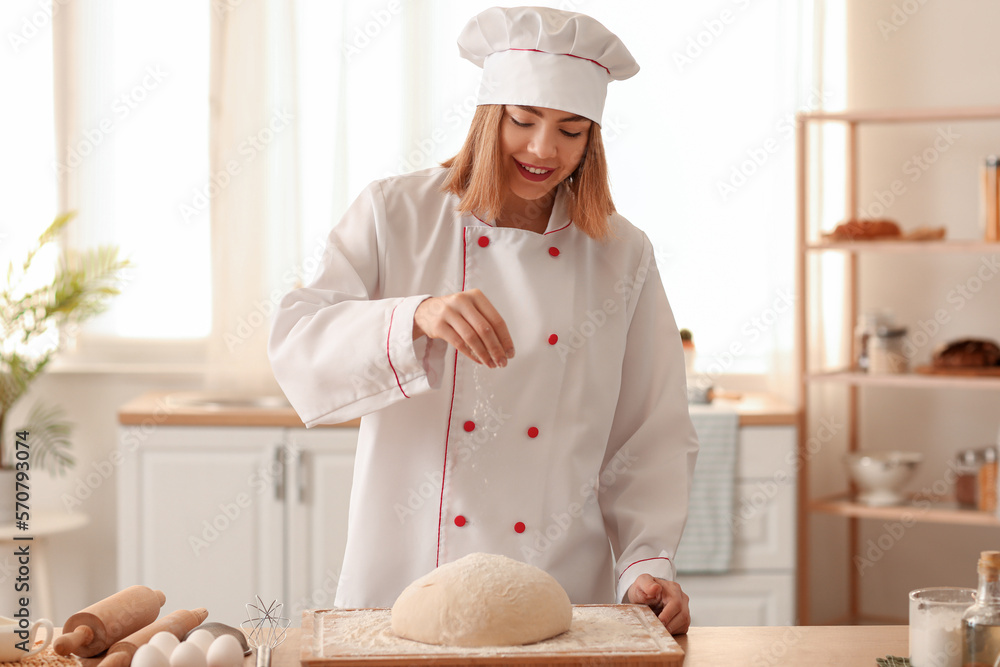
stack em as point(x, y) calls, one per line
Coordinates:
point(254, 213)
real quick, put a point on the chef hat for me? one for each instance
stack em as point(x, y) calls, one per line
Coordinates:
point(542, 57)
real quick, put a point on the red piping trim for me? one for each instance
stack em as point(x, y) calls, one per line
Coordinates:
point(444, 466)
point(543, 233)
point(387, 356)
point(447, 434)
point(558, 230)
point(567, 54)
point(641, 561)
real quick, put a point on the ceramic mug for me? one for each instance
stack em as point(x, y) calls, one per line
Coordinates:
point(10, 637)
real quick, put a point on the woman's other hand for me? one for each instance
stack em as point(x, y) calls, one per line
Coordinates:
point(665, 598)
point(468, 322)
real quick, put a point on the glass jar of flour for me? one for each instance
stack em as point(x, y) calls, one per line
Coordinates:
point(886, 352)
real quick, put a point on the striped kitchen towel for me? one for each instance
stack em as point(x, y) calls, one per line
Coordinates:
point(707, 543)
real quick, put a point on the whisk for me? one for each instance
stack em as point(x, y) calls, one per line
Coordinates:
point(265, 628)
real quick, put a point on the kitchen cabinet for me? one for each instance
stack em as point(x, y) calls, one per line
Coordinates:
point(321, 467)
point(759, 589)
point(215, 515)
point(811, 249)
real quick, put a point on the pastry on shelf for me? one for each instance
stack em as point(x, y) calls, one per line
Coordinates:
point(925, 234)
point(864, 230)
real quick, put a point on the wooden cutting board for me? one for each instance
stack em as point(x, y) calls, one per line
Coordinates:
point(619, 635)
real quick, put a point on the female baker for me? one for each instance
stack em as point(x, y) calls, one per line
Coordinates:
point(506, 338)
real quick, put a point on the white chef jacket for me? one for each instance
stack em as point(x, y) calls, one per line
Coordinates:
point(583, 439)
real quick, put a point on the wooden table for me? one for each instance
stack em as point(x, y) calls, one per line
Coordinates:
point(836, 646)
point(185, 408)
point(808, 646)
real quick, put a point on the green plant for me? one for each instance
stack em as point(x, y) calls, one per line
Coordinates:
point(34, 323)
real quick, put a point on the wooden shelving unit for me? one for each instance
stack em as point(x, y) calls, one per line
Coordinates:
point(922, 510)
point(913, 380)
point(810, 244)
point(904, 246)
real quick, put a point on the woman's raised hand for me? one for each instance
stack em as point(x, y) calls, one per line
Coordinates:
point(468, 322)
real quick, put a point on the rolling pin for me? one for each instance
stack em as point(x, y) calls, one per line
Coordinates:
point(179, 623)
point(100, 625)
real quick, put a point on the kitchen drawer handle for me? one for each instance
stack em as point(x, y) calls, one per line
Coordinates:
point(303, 477)
point(279, 478)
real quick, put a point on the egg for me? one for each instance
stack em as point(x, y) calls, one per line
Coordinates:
point(203, 638)
point(188, 654)
point(166, 642)
point(225, 651)
point(148, 655)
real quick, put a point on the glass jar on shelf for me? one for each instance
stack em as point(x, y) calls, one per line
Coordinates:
point(967, 464)
point(987, 481)
point(886, 355)
point(976, 478)
point(868, 325)
point(991, 199)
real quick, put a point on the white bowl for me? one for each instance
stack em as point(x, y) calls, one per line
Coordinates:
point(881, 476)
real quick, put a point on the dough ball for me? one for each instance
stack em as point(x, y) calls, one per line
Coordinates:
point(482, 600)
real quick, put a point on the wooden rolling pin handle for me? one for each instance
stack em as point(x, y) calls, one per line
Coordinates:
point(66, 644)
point(94, 629)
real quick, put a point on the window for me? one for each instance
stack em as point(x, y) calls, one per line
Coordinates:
point(136, 160)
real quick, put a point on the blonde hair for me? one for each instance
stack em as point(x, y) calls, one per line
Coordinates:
point(477, 175)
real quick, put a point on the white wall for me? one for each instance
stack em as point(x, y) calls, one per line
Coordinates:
point(905, 54)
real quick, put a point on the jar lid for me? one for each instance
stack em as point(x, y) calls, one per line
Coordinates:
point(989, 454)
point(970, 457)
point(890, 332)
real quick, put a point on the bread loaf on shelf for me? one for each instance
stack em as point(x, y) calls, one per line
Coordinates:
point(967, 353)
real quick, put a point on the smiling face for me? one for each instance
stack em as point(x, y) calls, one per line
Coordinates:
point(540, 148)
